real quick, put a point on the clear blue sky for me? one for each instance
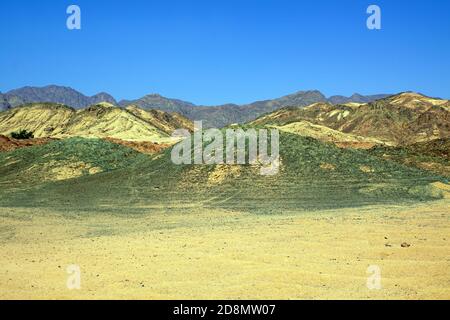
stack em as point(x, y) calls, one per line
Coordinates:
point(218, 51)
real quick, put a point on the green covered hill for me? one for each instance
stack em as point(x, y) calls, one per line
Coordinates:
point(313, 175)
point(62, 160)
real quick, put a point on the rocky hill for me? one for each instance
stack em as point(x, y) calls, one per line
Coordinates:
point(401, 119)
point(100, 121)
point(98, 175)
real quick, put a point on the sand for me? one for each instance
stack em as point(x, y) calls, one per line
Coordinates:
point(200, 254)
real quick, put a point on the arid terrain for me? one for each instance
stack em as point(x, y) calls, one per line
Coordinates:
point(360, 186)
point(218, 254)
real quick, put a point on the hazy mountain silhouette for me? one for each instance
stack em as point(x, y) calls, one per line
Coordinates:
point(213, 116)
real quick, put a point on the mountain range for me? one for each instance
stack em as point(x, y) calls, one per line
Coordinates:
point(213, 116)
point(398, 120)
point(52, 93)
point(96, 174)
point(401, 119)
point(331, 155)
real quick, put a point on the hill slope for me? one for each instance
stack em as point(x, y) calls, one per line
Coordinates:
point(313, 175)
point(104, 120)
point(401, 119)
point(61, 160)
point(100, 120)
point(4, 104)
point(10, 144)
point(325, 134)
point(433, 155)
point(164, 121)
point(43, 119)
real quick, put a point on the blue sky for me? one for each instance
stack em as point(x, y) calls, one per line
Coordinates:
point(218, 51)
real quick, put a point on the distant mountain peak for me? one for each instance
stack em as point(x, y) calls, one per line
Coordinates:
point(307, 92)
point(356, 95)
point(55, 94)
point(356, 98)
point(215, 116)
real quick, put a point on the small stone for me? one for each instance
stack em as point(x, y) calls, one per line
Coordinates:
point(405, 245)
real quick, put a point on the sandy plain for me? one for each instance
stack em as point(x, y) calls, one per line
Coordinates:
point(213, 254)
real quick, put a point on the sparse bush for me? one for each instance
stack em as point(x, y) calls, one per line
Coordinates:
point(426, 192)
point(22, 135)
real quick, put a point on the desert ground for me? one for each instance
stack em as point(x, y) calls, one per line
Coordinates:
point(218, 254)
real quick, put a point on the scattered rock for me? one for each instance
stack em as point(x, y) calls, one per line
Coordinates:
point(405, 245)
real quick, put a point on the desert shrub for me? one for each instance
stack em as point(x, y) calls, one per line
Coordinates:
point(22, 135)
point(426, 192)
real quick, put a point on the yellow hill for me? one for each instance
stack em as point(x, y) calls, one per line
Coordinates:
point(44, 120)
point(102, 120)
point(307, 129)
point(164, 121)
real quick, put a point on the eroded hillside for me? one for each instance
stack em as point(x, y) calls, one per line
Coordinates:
point(402, 119)
point(312, 175)
point(102, 120)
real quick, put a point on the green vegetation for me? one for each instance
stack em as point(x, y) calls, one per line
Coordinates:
point(38, 164)
point(22, 135)
point(313, 175)
point(433, 156)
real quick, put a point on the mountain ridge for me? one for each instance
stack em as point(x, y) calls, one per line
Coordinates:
point(55, 94)
point(213, 116)
point(400, 119)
